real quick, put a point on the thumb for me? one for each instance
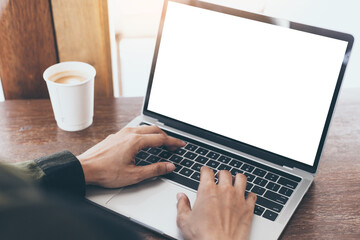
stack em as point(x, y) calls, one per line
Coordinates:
point(153, 170)
point(183, 209)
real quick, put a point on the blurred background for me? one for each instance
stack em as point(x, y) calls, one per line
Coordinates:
point(134, 24)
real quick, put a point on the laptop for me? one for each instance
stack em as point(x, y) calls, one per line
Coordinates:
point(248, 93)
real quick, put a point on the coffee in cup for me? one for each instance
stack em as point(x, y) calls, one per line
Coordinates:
point(67, 77)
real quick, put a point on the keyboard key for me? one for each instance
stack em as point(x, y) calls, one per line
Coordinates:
point(258, 210)
point(196, 167)
point(235, 171)
point(247, 168)
point(213, 155)
point(270, 215)
point(165, 154)
point(224, 159)
point(258, 190)
point(191, 147)
point(272, 177)
point(212, 164)
point(176, 158)
point(137, 160)
point(246, 193)
point(154, 151)
point(287, 183)
point(196, 176)
point(269, 204)
point(217, 174)
point(259, 172)
point(273, 186)
point(260, 181)
point(202, 151)
point(180, 151)
point(224, 167)
point(235, 163)
point(276, 197)
point(190, 155)
point(286, 191)
point(177, 167)
point(201, 159)
point(249, 176)
point(182, 180)
point(249, 186)
point(153, 159)
point(142, 155)
point(142, 163)
point(187, 163)
point(185, 171)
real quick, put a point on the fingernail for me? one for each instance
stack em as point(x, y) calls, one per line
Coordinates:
point(170, 167)
point(184, 143)
point(178, 196)
point(254, 197)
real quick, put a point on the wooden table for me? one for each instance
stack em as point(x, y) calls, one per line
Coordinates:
point(330, 210)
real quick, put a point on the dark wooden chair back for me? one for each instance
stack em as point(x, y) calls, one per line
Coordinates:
point(37, 34)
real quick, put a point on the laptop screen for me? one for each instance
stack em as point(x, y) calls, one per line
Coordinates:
point(258, 83)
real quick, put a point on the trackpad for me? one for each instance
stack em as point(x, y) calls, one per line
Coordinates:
point(152, 203)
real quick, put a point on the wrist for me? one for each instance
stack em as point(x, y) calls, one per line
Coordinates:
point(209, 236)
point(88, 170)
point(216, 237)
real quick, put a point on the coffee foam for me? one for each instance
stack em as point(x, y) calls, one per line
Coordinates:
point(68, 77)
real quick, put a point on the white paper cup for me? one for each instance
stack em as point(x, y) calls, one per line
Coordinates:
point(72, 103)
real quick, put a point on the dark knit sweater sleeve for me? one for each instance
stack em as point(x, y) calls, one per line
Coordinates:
point(60, 172)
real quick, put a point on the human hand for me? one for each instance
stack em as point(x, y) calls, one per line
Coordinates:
point(220, 211)
point(111, 162)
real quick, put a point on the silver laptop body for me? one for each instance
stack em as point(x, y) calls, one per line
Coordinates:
point(248, 85)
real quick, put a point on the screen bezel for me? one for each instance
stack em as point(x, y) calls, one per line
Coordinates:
point(237, 145)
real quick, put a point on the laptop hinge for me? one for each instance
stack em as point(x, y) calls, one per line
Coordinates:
point(287, 167)
point(159, 123)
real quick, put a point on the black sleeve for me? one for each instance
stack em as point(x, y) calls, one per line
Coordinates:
point(62, 173)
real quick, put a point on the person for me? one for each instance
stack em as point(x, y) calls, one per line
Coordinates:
point(44, 198)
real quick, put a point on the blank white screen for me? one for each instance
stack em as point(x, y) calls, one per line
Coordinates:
point(261, 84)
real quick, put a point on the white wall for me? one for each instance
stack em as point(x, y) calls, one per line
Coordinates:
point(136, 18)
point(136, 57)
point(137, 21)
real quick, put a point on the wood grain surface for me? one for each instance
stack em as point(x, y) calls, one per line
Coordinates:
point(330, 210)
point(27, 47)
point(82, 33)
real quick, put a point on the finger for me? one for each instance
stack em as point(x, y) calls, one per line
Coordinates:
point(225, 178)
point(206, 177)
point(153, 170)
point(240, 184)
point(183, 209)
point(173, 148)
point(251, 200)
point(148, 130)
point(155, 140)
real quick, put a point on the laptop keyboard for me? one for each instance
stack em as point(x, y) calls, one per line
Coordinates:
point(272, 187)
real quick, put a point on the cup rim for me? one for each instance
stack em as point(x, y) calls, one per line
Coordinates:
point(91, 68)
